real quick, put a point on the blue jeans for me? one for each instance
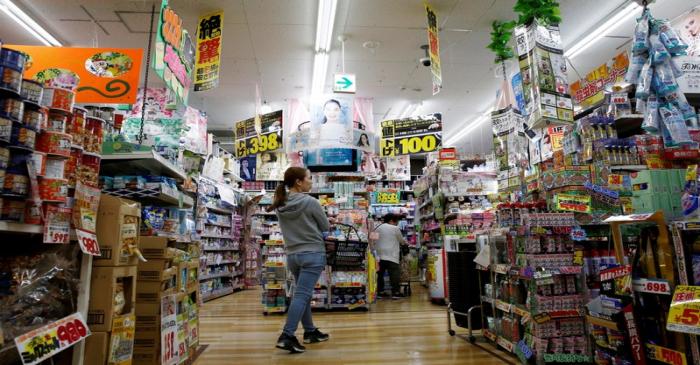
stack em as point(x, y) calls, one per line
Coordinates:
point(306, 268)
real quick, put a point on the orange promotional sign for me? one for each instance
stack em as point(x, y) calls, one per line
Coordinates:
point(97, 75)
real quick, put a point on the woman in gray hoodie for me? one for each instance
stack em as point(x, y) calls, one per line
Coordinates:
point(303, 222)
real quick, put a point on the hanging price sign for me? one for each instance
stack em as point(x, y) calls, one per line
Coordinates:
point(44, 342)
point(665, 355)
point(88, 242)
point(411, 135)
point(684, 314)
point(259, 144)
point(258, 135)
point(653, 286)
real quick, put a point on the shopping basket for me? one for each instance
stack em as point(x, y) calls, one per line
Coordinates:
point(346, 254)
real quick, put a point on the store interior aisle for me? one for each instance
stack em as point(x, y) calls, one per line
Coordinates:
point(408, 331)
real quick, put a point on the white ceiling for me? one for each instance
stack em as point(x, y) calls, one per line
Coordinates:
point(270, 42)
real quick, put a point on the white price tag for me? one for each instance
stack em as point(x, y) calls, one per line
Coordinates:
point(653, 286)
point(88, 242)
point(44, 342)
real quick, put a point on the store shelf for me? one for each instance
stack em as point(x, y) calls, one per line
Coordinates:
point(215, 276)
point(214, 236)
point(218, 224)
point(629, 167)
point(218, 209)
point(153, 195)
point(348, 285)
point(149, 163)
point(223, 263)
point(233, 176)
point(221, 249)
point(217, 294)
point(21, 228)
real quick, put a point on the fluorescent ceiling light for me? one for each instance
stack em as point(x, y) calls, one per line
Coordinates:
point(21, 18)
point(324, 24)
point(411, 110)
point(464, 132)
point(602, 30)
point(319, 76)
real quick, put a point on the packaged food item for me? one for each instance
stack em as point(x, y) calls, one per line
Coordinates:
point(640, 42)
point(76, 126)
point(94, 135)
point(73, 165)
point(58, 99)
point(13, 210)
point(5, 129)
point(54, 143)
point(12, 108)
point(16, 184)
point(34, 119)
point(55, 168)
point(13, 59)
point(56, 122)
point(10, 79)
point(32, 91)
point(23, 137)
point(89, 169)
point(39, 162)
point(53, 190)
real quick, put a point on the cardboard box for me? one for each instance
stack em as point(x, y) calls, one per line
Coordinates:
point(156, 270)
point(117, 347)
point(96, 348)
point(154, 247)
point(146, 357)
point(104, 285)
point(148, 322)
point(118, 225)
point(147, 348)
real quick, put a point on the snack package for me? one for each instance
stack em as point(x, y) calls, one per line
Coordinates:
point(640, 43)
point(674, 123)
point(645, 80)
point(663, 81)
point(651, 116)
point(637, 62)
point(670, 38)
point(658, 52)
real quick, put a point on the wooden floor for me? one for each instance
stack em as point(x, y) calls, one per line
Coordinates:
point(408, 331)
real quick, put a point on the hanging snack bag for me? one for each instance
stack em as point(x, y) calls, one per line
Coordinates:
point(640, 43)
point(651, 116)
point(645, 80)
point(670, 38)
point(674, 123)
point(658, 52)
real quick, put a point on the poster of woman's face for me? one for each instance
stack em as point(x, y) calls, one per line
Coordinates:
point(333, 118)
point(362, 140)
point(688, 28)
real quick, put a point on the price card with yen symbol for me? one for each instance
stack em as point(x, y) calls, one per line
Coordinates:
point(88, 242)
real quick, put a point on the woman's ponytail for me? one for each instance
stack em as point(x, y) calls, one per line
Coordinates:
point(279, 199)
point(291, 176)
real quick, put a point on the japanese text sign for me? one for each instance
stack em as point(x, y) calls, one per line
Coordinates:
point(209, 38)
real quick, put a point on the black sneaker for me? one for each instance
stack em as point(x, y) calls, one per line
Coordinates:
point(315, 336)
point(290, 343)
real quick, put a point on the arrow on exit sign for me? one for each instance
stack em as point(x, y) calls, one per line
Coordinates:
point(344, 83)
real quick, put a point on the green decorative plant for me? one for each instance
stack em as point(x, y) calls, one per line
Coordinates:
point(546, 11)
point(500, 36)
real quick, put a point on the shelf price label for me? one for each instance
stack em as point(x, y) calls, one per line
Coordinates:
point(505, 344)
point(503, 306)
point(44, 342)
point(88, 242)
point(652, 286)
point(384, 197)
point(684, 313)
point(665, 355)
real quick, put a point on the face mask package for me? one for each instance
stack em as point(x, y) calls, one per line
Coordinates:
point(654, 71)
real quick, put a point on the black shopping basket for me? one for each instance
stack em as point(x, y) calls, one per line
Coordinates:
point(347, 254)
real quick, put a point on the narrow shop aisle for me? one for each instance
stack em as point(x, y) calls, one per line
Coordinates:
point(408, 331)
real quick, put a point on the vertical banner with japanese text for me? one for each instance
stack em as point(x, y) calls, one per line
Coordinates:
point(434, 49)
point(209, 34)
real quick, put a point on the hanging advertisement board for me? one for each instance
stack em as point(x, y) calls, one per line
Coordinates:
point(174, 53)
point(411, 135)
point(253, 137)
point(209, 34)
point(434, 49)
point(97, 75)
point(590, 90)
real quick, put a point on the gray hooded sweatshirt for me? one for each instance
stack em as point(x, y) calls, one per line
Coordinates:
point(303, 222)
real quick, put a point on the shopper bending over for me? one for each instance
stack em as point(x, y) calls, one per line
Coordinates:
point(389, 249)
point(303, 222)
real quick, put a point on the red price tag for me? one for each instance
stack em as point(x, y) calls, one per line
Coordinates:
point(88, 242)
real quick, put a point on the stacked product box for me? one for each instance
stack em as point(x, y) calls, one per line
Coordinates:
point(112, 308)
